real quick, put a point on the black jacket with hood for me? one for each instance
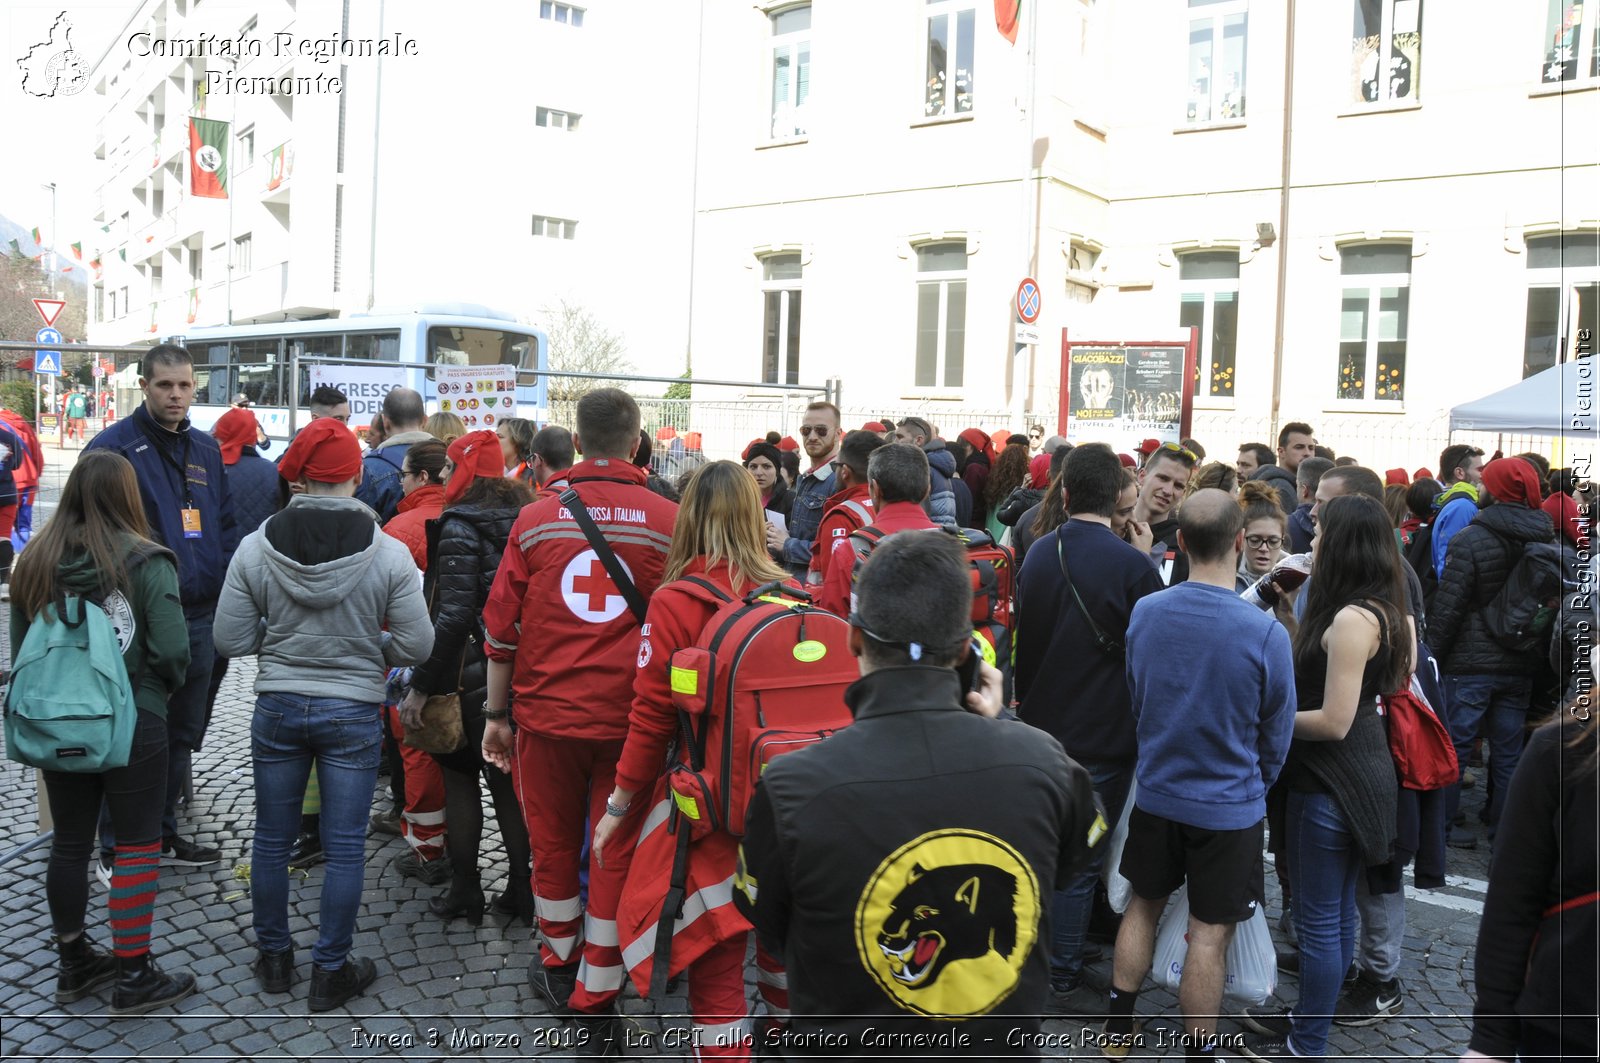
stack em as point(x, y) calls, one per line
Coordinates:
point(1478, 563)
point(465, 544)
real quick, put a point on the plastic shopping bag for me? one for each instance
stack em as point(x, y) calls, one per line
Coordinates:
point(1119, 891)
point(1251, 962)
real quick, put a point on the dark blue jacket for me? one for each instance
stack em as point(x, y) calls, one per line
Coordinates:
point(253, 485)
point(1301, 529)
point(156, 456)
point(380, 474)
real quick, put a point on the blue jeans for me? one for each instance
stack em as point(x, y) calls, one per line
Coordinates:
point(1071, 907)
point(1323, 864)
point(287, 733)
point(1500, 703)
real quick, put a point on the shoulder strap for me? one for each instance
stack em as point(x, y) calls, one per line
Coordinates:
point(858, 509)
point(1107, 643)
point(709, 589)
point(602, 550)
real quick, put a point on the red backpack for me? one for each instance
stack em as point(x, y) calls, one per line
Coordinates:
point(1424, 756)
point(766, 677)
point(994, 580)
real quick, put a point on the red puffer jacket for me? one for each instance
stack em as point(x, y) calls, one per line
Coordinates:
point(411, 516)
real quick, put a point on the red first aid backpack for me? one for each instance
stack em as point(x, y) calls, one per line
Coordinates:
point(993, 569)
point(766, 677)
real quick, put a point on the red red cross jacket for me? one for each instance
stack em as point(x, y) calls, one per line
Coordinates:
point(843, 512)
point(557, 616)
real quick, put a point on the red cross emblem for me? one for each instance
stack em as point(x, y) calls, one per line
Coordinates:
point(589, 591)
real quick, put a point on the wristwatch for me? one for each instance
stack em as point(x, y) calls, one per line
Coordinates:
point(495, 714)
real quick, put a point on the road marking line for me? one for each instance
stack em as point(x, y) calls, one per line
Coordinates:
point(1444, 900)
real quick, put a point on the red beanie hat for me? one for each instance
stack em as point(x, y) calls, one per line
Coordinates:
point(234, 431)
point(978, 438)
point(1128, 461)
point(1422, 474)
point(1396, 476)
point(473, 455)
point(787, 443)
point(1513, 480)
point(875, 426)
point(325, 451)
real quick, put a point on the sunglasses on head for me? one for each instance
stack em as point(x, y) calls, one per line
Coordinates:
point(1176, 448)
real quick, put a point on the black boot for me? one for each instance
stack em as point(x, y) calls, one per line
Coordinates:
point(82, 969)
point(516, 901)
point(329, 989)
point(142, 987)
point(465, 897)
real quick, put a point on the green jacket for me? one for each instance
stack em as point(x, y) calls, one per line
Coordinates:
point(148, 619)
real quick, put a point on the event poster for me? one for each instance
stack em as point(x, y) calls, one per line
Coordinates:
point(365, 386)
point(1124, 395)
point(481, 395)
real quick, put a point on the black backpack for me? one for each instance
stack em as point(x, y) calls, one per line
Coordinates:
point(1521, 616)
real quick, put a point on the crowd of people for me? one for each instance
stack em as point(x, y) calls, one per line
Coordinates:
point(931, 873)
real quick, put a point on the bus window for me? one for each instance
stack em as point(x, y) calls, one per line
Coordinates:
point(211, 376)
point(256, 369)
point(380, 346)
point(480, 346)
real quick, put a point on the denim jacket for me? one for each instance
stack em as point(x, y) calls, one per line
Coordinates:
point(805, 517)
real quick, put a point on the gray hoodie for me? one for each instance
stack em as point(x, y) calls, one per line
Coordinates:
point(311, 592)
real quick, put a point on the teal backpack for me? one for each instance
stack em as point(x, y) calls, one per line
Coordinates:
point(69, 706)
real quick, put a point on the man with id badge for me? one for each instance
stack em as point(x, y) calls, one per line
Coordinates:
point(185, 492)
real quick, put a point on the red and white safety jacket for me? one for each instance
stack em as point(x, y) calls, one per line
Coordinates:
point(554, 613)
point(843, 512)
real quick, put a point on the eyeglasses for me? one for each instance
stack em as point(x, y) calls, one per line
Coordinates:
point(1256, 542)
point(814, 429)
point(408, 472)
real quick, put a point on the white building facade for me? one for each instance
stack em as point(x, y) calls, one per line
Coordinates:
point(495, 156)
point(876, 179)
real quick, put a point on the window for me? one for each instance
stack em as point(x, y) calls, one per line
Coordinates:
point(196, 261)
point(1372, 321)
point(780, 328)
point(241, 254)
point(554, 119)
point(1571, 47)
point(565, 14)
point(1563, 298)
point(247, 147)
point(100, 303)
point(1210, 302)
point(950, 43)
point(1216, 60)
point(1386, 43)
point(554, 228)
point(155, 280)
point(256, 372)
point(791, 71)
point(453, 345)
point(941, 314)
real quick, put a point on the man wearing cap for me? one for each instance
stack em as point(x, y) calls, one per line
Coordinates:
point(327, 605)
point(189, 507)
point(941, 505)
point(1485, 681)
point(851, 506)
point(819, 431)
point(902, 867)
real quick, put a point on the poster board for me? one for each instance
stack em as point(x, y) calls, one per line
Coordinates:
point(1122, 392)
point(481, 395)
point(365, 386)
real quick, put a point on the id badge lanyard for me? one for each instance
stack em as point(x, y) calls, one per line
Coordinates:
point(192, 525)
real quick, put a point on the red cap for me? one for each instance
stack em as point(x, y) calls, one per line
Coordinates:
point(1396, 476)
point(474, 454)
point(1128, 461)
point(1149, 446)
point(788, 443)
point(691, 440)
point(325, 451)
point(234, 431)
point(666, 433)
point(874, 426)
point(1422, 474)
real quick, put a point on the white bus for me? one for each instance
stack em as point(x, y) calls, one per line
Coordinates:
point(254, 360)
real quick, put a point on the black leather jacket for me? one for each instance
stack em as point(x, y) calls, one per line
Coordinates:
point(465, 545)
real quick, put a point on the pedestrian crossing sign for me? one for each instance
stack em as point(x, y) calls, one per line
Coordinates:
point(48, 362)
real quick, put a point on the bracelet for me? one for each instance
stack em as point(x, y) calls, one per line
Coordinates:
point(617, 810)
point(495, 714)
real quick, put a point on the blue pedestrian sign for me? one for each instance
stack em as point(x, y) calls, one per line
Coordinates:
point(47, 362)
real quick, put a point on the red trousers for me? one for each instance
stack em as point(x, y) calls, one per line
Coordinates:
point(422, 820)
point(716, 999)
point(563, 784)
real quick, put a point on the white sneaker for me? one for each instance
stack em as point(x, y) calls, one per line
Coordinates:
point(102, 869)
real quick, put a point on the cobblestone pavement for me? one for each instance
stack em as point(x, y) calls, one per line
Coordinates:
point(449, 991)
